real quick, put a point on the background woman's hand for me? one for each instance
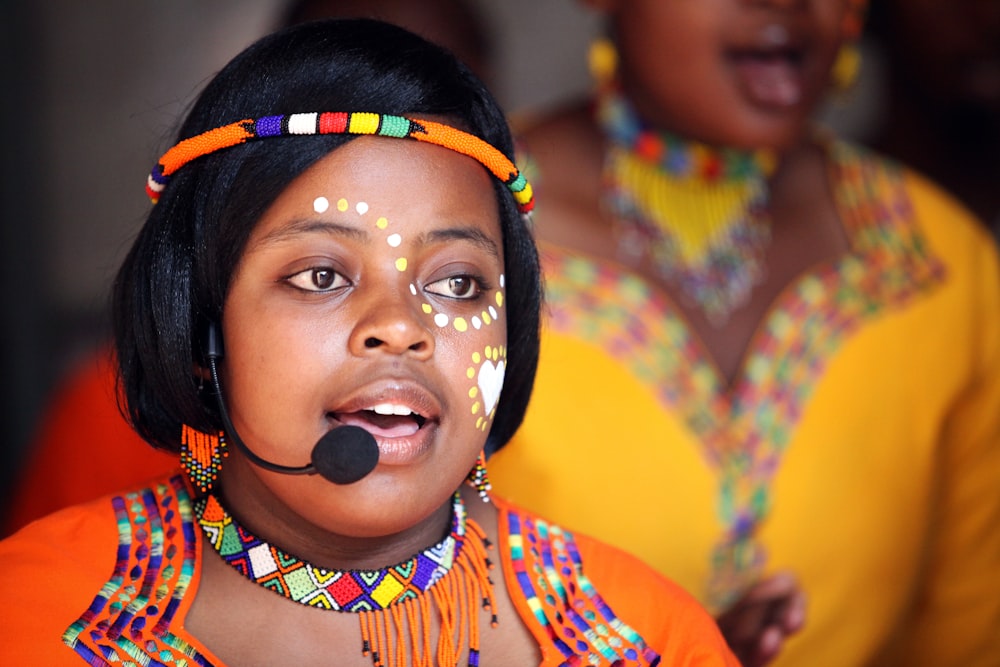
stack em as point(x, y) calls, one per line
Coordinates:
point(757, 625)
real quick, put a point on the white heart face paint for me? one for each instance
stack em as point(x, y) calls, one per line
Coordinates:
point(487, 372)
point(490, 382)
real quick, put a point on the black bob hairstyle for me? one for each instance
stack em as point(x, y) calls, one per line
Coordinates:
point(175, 278)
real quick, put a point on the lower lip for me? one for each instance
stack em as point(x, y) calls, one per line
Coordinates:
point(406, 450)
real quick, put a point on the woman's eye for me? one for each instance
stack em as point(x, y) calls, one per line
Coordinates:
point(318, 280)
point(456, 287)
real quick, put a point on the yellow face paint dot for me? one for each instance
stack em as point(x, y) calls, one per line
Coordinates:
point(476, 358)
point(475, 408)
point(499, 298)
point(426, 308)
point(479, 423)
point(401, 264)
point(486, 317)
point(461, 324)
point(473, 392)
point(381, 223)
point(341, 205)
point(471, 373)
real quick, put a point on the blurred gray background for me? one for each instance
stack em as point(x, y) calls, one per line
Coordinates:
point(92, 93)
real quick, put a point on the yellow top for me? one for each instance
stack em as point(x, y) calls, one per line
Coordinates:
point(859, 447)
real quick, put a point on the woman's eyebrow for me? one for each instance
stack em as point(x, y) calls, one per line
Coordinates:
point(303, 227)
point(472, 234)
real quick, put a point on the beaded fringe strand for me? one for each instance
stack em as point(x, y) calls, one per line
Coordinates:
point(400, 636)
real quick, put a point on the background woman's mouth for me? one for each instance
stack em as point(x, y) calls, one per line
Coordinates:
point(770, 79)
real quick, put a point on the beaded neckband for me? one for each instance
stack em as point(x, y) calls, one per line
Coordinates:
point(452, 576)
point(356, 123)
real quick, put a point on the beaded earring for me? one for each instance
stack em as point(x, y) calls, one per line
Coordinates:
point(201, 456)
point(479, 479)
point(847, 65)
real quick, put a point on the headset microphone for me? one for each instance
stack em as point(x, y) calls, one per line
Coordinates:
point(344, 455)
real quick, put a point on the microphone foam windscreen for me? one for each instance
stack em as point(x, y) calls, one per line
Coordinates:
point(345, 455)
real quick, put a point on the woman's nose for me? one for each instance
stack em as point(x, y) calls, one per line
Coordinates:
point(394, 324)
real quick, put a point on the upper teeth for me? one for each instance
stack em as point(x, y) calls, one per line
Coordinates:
point(391, 409)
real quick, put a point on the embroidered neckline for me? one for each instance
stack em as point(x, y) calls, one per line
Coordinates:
point(744, 430)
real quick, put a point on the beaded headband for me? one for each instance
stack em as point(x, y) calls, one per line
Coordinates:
point(359, 123)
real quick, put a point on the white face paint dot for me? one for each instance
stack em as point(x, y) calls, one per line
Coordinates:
point(441, 320)
point(476, 322)
point(493, 312)
point(320, 204)
point(413, 289)
point(361, 208)
point(394, 240)
point(502, 280)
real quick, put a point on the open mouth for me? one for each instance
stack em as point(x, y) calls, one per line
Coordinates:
point(770, 77)
point(385, 420)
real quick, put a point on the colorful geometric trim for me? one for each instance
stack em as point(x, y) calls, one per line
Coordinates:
point(582, 627)
point(127, 623)
point(356, 123)
point(744, 428)
point(336, 590)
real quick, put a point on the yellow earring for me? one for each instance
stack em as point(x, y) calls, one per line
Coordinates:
point(846, 67)
point(602, 60)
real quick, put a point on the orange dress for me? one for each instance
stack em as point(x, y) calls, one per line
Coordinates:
point(111, 582)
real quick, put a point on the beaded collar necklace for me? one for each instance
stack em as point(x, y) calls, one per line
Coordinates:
point(395, 604)
point(698, 213)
